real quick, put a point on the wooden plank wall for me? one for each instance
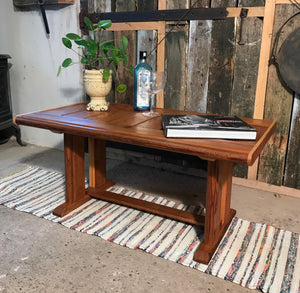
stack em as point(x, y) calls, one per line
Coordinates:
point(212, 67)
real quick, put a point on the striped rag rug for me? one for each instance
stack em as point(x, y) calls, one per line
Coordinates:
point(253, 255)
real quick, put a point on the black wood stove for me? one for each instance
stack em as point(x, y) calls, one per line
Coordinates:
point(7, 127)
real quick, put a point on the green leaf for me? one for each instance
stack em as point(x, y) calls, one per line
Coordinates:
point(106, 46)
point(106, 73)
point(121, 88)
point(104, 24)
point(67, 43)
point(116, 55)
point(67, 62)
point(81, 42)
point(72, 36)
point(92, 46)
point(115, 51)
point(88, 23)
point(125, 43)
point(59, 71)
point(83, 60)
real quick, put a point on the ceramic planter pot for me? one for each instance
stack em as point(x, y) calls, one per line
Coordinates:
point(97, 88)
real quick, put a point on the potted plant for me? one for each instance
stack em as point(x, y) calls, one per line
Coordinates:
point(100, 60)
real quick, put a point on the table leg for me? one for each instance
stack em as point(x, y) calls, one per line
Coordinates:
point(74, 175)
point(97, 165)
point(218, 212)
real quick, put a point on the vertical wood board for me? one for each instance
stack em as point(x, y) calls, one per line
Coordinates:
point(292, 171)
point(177, 4)
point(251, 3)
point(176, 42)
point(102, 6)
point(147, 40)
point(221, 63)
point(105, 6)
point(262, 75)
point(199, 47)
point(160, 56)
point(146, 5)
point(124, 75)
point(198, 53)
point(199, 3)
point(83, 5)
point(91, 6)
point(175, 68)
point(128, 5)
point(246, 59)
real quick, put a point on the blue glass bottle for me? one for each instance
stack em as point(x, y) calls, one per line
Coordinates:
point(142, 73)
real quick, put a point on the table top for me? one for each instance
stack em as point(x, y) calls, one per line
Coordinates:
point(122, 124)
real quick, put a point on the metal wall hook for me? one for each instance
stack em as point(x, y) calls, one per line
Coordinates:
point(41, 4)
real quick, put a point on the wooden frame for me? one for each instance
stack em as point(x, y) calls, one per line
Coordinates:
point(160, 27)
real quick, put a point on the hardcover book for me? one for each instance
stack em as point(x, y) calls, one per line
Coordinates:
point(207, 126)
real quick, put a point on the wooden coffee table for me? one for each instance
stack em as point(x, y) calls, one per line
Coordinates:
point(122, 124)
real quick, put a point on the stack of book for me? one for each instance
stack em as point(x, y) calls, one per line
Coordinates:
point(207, 126)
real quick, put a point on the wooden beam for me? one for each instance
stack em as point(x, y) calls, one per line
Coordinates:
point(162, 4)
point(263, 69)
point(258, 11)
point(159, 15)
point(147, 206)
point(174, 14)
point(160, 59)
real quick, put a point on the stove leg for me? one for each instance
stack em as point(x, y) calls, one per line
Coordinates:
point(13, 130)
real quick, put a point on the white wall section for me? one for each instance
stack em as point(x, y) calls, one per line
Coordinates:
point(35, 58)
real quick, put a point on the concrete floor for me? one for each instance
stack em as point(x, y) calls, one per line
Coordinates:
point(37, 255)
